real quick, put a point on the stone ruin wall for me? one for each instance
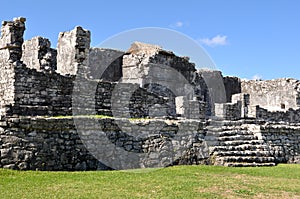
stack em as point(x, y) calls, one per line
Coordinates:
point(10, 45)
point(39, 81)
point(274, 95)
point(55, 144)
point(283, 141)
point(37, 54)
point(42, 86)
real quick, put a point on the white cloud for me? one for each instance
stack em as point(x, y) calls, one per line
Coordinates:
point(256, 77)
point(177, 24)
point(219, 40)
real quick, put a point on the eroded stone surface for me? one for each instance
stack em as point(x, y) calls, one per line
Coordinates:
point(207, 118)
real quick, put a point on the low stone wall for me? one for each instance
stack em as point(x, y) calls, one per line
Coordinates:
point(40, 144)
point(283, 142)
point(290, 115)
point(228, 111)
point(41, 93)
point(56, 143)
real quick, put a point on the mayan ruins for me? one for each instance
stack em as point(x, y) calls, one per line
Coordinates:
point(82, 108)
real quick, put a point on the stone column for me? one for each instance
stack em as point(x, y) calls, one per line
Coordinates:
point(73, 51)
point(245, 102)
point(10, 55)
point(189, 109)
point(12, 39)
point(37, 54)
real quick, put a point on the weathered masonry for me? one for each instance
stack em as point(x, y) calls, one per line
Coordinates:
point(152, 108)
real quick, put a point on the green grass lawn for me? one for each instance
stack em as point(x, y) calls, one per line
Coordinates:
point(282, 181)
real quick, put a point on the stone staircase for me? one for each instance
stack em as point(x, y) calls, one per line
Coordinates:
point(237, 144)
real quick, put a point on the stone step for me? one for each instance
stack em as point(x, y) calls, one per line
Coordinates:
point(228, 133)
point(237, 137)
point(216, 123)
point(241, 142)
point(250, 159)
point(233, 133)
point(235, 146)
point(247, 164)
point(213, 130)
point(243, 153)
point(241, 147)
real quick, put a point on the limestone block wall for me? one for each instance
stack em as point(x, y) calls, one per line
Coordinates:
point(215, 89)
point(29, 83)
point(34, 89)
point(6, 84)
point(279, 94)
point(163, 73)
point(43, 144)
point(105, 64)
point(128, 101)
point(50, 94)
point(148, 64)
point(229, 111)
point(55, 144)
point(143, 54)
point(283, 142)
point(190, 109)
point(41, 93)
point(215, 85)
point(290, 115)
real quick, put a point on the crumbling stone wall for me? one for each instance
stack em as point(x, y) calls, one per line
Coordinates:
point(55, 144)
point(10, 54)
point(163, 73)
point(12, 39)
point(40, 93)
point(146, 64)
point(279, 94)
point(138, 102)
point(144, 85)
point(290, 115)
point(37, 54)
point(190, 109)
point(35, 89)
point(43, 144)
point(228, 111)
point(73, 51)
point(283, 141)
point(244, 98)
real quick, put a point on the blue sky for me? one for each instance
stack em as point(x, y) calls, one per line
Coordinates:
point(247, 38)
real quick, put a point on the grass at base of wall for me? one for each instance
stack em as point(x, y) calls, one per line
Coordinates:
point(282, 181)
